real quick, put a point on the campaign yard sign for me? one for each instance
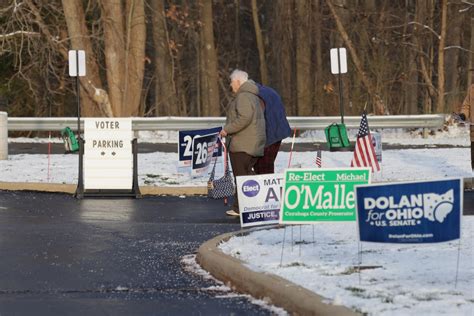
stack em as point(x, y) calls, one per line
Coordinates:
point(108, 156)
point(410, 212)
point(259, 199)
point(185, 144)
point(313, 195)
point(202, 152)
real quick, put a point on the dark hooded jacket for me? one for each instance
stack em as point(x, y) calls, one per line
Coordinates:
point(276, 125)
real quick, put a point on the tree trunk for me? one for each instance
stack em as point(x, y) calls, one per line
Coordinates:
point(409, 85)
point(203, 89)
point(379, 104)
point(114, 52)
point(210, 60)
point(424, 45)
point(94, 103)
point(453, 39)
point(318, 69)
point(165, 93)
point(260, 46)
point(282, 50)
point(470, 73)
point(303, 57)
point(237, 31)
point(442, 41)
point(135, 57)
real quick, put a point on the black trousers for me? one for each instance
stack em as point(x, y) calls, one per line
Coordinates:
point(266, 164)
point(242, 165)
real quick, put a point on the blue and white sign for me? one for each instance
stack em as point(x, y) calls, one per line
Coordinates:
point(185, 143)
point(202, 152)
point(411, 212)
point(259, 199)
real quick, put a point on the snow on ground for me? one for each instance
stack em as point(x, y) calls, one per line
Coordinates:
point(161, 169)
point(398, 279)
point(221, 290)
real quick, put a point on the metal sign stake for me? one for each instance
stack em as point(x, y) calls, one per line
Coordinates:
point(339, 79)
point(77, 67)
point(80, 184)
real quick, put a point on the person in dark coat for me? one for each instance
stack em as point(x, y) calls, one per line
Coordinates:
point(277, 128)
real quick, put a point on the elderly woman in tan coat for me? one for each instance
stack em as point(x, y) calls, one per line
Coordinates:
point(467, 113)
point(245, 125)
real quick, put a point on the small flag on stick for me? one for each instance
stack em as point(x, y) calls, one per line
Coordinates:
point(318, 158)
point(364, 152)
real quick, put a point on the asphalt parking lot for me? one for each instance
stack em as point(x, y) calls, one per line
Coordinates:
point(98, 256)
point(62, 256)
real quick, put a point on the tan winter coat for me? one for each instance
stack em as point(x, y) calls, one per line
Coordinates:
point(245, 122)
point(468, 108)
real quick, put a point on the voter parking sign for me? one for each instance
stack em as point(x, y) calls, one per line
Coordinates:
point(108, 156)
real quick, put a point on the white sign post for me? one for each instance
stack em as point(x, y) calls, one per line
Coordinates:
point(339, 66)
point(338, 61)
point(108, 157)
point(77, 63)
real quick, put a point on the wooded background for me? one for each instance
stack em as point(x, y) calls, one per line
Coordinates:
point(163, 57)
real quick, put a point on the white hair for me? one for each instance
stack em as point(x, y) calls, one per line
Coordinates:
point(239, 75)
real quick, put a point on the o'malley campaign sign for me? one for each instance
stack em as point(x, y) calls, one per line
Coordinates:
point(312, 195)
point(185, 144)
point(410, 212)
point(259, 199)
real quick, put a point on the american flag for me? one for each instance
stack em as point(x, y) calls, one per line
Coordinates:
point(318, 158)
point(364, 152)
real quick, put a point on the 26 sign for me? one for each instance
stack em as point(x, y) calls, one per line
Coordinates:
point(203, 149)
point(185, 144)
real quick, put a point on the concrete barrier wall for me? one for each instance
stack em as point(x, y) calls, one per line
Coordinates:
point(3, 136)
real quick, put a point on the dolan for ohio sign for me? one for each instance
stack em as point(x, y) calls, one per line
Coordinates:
point(312, 195)
point(410, 212)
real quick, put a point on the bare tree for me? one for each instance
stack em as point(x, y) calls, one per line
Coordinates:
point(166, 98)
point(124, 49)
point(471, 54)
point(282, 52)
point(303, 57)
point(380, 107)
point(261, 47)
point(452, 55)
point(209, 78)
point(442, 41)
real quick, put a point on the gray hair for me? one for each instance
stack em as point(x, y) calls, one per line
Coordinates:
point(239, 75)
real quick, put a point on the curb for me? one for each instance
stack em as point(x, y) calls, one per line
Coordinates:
point(263, 285)
point(71, 188)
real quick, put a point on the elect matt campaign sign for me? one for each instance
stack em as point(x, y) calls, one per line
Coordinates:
point(414, 212)
point(312, 195)
point(185, 144)
point(259, 199)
